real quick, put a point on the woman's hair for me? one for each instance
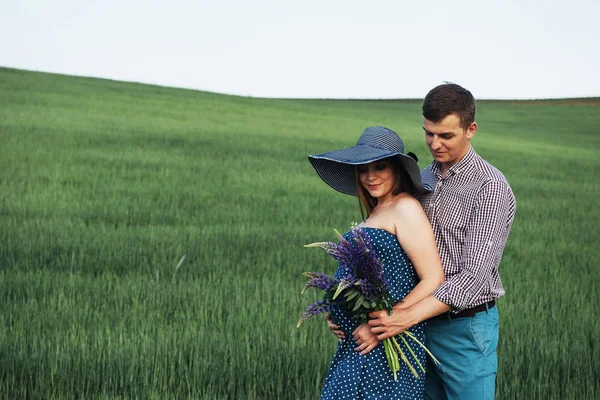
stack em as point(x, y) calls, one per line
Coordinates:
point(402, 183)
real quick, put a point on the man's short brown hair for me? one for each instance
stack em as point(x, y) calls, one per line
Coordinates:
point(447, 99)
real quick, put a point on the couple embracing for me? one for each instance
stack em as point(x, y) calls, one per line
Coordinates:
point(441, 232)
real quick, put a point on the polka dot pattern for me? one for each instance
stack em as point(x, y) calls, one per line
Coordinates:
point(352, 376)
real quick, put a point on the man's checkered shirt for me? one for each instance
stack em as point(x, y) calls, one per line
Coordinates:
point(471, 212)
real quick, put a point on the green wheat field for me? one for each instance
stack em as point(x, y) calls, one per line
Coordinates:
point(151, 239)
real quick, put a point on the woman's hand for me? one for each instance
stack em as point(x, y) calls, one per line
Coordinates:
point(365, 339)
point(335, 329)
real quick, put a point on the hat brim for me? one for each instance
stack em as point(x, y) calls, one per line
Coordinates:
point(336, 168)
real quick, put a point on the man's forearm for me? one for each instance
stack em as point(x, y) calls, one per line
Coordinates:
point(403, 318)
point(427, 308)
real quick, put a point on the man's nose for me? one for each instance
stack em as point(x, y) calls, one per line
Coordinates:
point(435, 143)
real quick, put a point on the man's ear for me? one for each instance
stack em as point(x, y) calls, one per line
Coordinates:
point(471, 130)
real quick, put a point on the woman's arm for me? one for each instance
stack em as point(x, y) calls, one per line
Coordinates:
point(415, 235)
point(416, 238)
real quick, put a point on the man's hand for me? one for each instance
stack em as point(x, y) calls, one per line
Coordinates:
point(335, 329)
point(385, 326)
point(365, 339)
point(404, 317)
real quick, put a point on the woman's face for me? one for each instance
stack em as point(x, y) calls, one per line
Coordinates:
point(377, 178)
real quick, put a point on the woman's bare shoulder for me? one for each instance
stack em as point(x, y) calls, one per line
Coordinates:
point(406, 203)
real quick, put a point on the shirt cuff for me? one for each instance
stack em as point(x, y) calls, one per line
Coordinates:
point(449, 295)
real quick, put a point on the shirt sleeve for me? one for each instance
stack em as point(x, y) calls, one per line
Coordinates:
point(486, 235)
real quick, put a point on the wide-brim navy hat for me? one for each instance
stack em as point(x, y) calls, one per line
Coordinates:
point(336, 168)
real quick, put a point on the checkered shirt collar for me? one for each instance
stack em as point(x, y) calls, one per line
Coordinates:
point(465, 164)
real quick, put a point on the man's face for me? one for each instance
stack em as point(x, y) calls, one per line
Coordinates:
point(448, 142)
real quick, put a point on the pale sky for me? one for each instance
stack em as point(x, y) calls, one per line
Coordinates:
point(314, 48)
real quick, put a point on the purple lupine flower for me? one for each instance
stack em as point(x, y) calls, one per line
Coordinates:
point(319, 280)
point(359, 264)
point(315, 308)
point(367, 266)
point(343, 253)
point(324, 245)
point(370, 291)
point(372, 270)
point(346, 282)
point(362, 272)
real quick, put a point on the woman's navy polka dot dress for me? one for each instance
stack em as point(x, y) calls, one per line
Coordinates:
point(352, 376)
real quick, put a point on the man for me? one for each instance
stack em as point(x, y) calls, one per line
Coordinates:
point(471, 211)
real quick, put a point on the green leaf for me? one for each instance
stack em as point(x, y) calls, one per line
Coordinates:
point(352, 293)
point(360, 298)
point(338, 290)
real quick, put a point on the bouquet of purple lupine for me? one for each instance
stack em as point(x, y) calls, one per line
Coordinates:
point(362, 289)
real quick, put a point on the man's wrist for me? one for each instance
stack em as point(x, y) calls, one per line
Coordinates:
point(410, 314)
point(427, 308)
point(415, 314)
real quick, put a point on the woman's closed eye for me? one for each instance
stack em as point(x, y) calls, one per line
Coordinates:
point(380, 166)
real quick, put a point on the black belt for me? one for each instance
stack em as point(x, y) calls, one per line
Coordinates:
point(469, 312)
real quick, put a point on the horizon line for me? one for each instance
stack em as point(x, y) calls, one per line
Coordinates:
point(383, 99)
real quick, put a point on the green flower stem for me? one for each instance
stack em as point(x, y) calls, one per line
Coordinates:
point(404, 358)
point(388, 357)
point(410, 335)
point(412, 353)
point(392, 357)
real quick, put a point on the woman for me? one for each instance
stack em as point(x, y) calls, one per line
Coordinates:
point(384, 179)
